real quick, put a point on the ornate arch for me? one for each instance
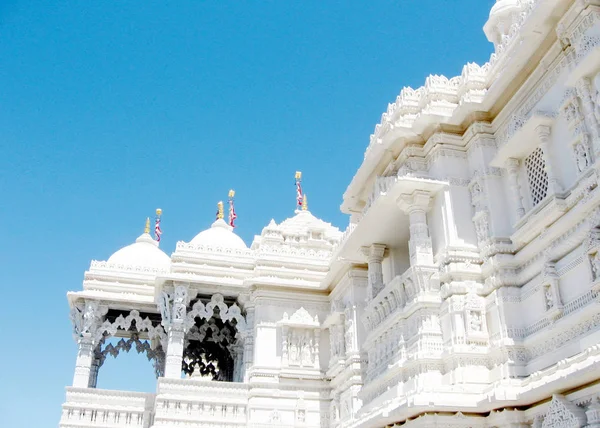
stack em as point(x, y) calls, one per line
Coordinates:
point(108, 329)
point(141, 346)
point(205, 312)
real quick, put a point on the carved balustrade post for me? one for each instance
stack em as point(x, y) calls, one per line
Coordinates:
point(176, 332)
point(584, 91)
point(512, 166)
point(416, 205)
point(374, 255)
point(543, 133)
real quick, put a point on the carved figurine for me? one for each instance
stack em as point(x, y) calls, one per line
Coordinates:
point(475, 321)
point(581, 157)
point(549, 298)
point(595, 259)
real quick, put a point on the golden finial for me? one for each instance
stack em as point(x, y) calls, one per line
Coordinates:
point(147, 228)
point(231, 193)
point(220, 212)
point(158, 212)
point(298, 175)
point(304, 203)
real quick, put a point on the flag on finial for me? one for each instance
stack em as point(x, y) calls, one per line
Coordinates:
point(157, 230)
point(147, 227)
point(232, 214)
point(299, 197)
point(220, 214)
point(304, 203)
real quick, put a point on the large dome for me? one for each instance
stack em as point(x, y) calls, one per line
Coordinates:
point(221, 235)
point(144, 252)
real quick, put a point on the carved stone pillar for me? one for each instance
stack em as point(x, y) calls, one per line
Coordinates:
point(416, 206)
point(584, 91)
point(86, 319)
point(512, 166)
point(176, 333)
point(543, 133)
point(374, 255)
point(85, 358)
point(249, 340)
point(94, 373)
point(237, 354)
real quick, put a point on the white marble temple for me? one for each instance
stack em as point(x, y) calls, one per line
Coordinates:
point(463, 293)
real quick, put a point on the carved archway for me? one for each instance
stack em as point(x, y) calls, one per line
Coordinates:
point(213, 344)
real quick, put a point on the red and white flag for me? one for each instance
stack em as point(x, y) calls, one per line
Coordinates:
point(299, 197)
point(232, 214)
point(157, 231)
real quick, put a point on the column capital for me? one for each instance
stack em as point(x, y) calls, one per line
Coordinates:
point(512, 163)
point(417, 200)
point(543, 132)
point(374, 252)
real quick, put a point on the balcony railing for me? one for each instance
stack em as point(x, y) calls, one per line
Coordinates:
point(189, 401)
point(89, 407)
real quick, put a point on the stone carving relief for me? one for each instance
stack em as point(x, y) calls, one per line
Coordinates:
point(551, 291)
point(595, 265)
point(563, 414)
point(300, 348)
point(592, 246)
point(300, 340)
point(86, 317)
point(573, 115)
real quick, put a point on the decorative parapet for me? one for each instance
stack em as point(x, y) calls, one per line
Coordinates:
point(92, 407)
point(101, 265)
point(187, 247)
point(439, 96)
point(188, 402)
point(296, 252)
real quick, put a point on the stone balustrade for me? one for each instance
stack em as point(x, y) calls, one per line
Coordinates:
point(190, 401)
point(88, 407)
point(398, 294)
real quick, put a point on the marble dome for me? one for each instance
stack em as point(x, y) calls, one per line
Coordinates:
point(144, 252)
point(221, 235)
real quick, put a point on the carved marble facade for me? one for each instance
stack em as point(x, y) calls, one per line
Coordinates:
point(463, 293)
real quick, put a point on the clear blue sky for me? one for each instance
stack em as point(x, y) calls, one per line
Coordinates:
point(109, 109)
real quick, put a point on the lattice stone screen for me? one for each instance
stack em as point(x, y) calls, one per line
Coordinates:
point(536, 175)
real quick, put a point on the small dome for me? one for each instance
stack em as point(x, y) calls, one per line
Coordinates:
point(303, 221)
point(504, 7)
point(221, 235)
point(144, 252)
point(501, 18)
